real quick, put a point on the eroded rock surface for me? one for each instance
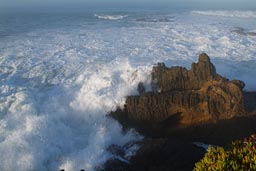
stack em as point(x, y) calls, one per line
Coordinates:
point(187, 97)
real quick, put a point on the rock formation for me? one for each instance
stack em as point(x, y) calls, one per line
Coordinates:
point(194, 96)
point(170, 116)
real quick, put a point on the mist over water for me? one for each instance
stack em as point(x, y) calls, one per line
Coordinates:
point(61, 73)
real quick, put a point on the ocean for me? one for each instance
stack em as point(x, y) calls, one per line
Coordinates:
point(60, 74)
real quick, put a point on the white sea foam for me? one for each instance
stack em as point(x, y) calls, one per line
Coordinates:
point(227, 13)
point(57, 82)
point(110, 17)
point(204, 146)
point(67, 134)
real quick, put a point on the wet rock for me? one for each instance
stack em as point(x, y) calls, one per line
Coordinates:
point(116, 150)
point(141, 89)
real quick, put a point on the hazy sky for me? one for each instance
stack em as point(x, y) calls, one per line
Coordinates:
point(250, 4)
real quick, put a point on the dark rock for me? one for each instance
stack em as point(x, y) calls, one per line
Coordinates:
point(177, 150)
point(116, 150)
point(115, 165)
point(161, 154)
point(141, 89)
point(250, 102)
point(251, 33)
point(243, 32)
point(165, 155)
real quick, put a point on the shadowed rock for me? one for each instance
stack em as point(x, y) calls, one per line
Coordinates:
point(250, 102)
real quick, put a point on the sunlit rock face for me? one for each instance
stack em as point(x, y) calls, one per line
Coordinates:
point(189, 97)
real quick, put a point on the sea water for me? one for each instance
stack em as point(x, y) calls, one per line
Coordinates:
point(60, 74)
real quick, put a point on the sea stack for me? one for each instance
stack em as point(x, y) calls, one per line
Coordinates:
point(185, 97)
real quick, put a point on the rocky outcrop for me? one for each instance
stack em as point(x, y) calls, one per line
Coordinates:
point(184, 96)
point(179, 78)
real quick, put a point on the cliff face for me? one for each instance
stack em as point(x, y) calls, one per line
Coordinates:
point(192, 96)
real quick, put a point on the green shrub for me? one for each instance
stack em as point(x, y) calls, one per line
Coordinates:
point(240, 156)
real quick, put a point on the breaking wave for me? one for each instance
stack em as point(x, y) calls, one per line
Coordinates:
point(110, 17)
point(226, 13)
point(58, 81)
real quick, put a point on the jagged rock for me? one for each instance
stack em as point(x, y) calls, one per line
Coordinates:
point(179, 78)
point(192, 96)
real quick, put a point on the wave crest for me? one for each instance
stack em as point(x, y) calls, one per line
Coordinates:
point(227, 13)
point(110, 17)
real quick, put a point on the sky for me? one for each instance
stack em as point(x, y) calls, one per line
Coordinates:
point(66, 4)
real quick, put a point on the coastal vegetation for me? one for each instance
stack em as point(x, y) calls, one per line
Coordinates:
point(239, 156)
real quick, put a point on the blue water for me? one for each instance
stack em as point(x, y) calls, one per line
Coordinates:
point(61, 73)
